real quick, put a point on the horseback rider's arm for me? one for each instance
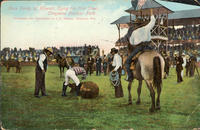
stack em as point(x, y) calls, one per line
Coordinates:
point(143, 33)
point(41, 60)
point(151, 24)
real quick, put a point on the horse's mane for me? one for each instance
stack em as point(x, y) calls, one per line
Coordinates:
point(59, 56)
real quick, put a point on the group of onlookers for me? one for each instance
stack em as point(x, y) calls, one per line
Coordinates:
point(185, 33)
point(100, 64)
point(181, 61)
point(31, 54)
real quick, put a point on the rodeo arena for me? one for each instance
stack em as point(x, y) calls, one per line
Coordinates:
point(160, 49)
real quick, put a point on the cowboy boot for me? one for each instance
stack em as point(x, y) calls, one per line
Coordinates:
point(78, 89)
point(64, 89)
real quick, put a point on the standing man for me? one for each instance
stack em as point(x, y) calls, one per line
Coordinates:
point(90, 62)
point(40, 70)
point(184, 64)
point(117, 64)
point(110, 59)
point(105, 64)
point(187, 67)
point(167, 64)
point(179, 68)
point(98, 65)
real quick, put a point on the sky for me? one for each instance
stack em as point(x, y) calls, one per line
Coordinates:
point(42, 24)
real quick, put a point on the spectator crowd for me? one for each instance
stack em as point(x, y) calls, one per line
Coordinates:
point(185, 33)
point(31, 54)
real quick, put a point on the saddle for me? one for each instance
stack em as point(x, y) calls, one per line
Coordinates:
point(63, 60)
point(135, 59)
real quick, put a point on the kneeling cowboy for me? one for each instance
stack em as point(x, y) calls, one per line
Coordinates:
point(140, 37)
point(73, 73)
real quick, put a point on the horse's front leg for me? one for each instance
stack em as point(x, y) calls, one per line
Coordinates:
point(129, 93)
point(16, 69)
point(63, 71)
point(139, 91)
point(8, 69)
point(60, 72)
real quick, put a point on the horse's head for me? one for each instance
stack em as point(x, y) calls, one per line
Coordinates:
point(57, 57)
point(3, 63)
point(69, 62)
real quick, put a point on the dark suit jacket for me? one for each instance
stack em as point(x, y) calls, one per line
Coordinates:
point(90, 61)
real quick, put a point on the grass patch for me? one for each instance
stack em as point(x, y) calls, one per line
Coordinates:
point(180, 107)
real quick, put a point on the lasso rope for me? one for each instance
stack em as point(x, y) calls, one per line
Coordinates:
point(114, 78)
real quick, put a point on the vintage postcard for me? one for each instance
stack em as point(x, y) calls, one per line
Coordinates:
point(100, 64)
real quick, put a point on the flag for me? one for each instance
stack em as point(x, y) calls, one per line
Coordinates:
point(141, 3)
point(134, 3)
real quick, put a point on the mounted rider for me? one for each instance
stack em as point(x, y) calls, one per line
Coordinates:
point(140, 39)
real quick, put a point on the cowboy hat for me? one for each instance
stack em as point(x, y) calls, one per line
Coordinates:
point(187, 57)
point(114, 50)
point(50, 50)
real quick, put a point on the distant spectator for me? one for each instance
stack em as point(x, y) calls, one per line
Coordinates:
point(105, 64)
point(90, 62)
point(81, 62)
point(98, 65)
point(110, 59)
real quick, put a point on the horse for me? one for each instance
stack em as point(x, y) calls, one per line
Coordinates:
point(12, 63)
point(149, 66)
point(63, 62)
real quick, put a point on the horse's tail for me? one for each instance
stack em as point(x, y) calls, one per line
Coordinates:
point(157, 72)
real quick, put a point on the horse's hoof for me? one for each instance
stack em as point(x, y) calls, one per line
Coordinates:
point(158, 108)
point(151, 110)
point(138, 103)
point(130, 103)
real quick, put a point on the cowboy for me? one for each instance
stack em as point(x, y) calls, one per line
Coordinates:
point(140, 38)
point(117, 64)
point(72, 73)
point(40, 70)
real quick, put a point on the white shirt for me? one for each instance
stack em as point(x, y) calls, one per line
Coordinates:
point(41, 60)
point(142, 34)
point(117, 62)
point(184, 62)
